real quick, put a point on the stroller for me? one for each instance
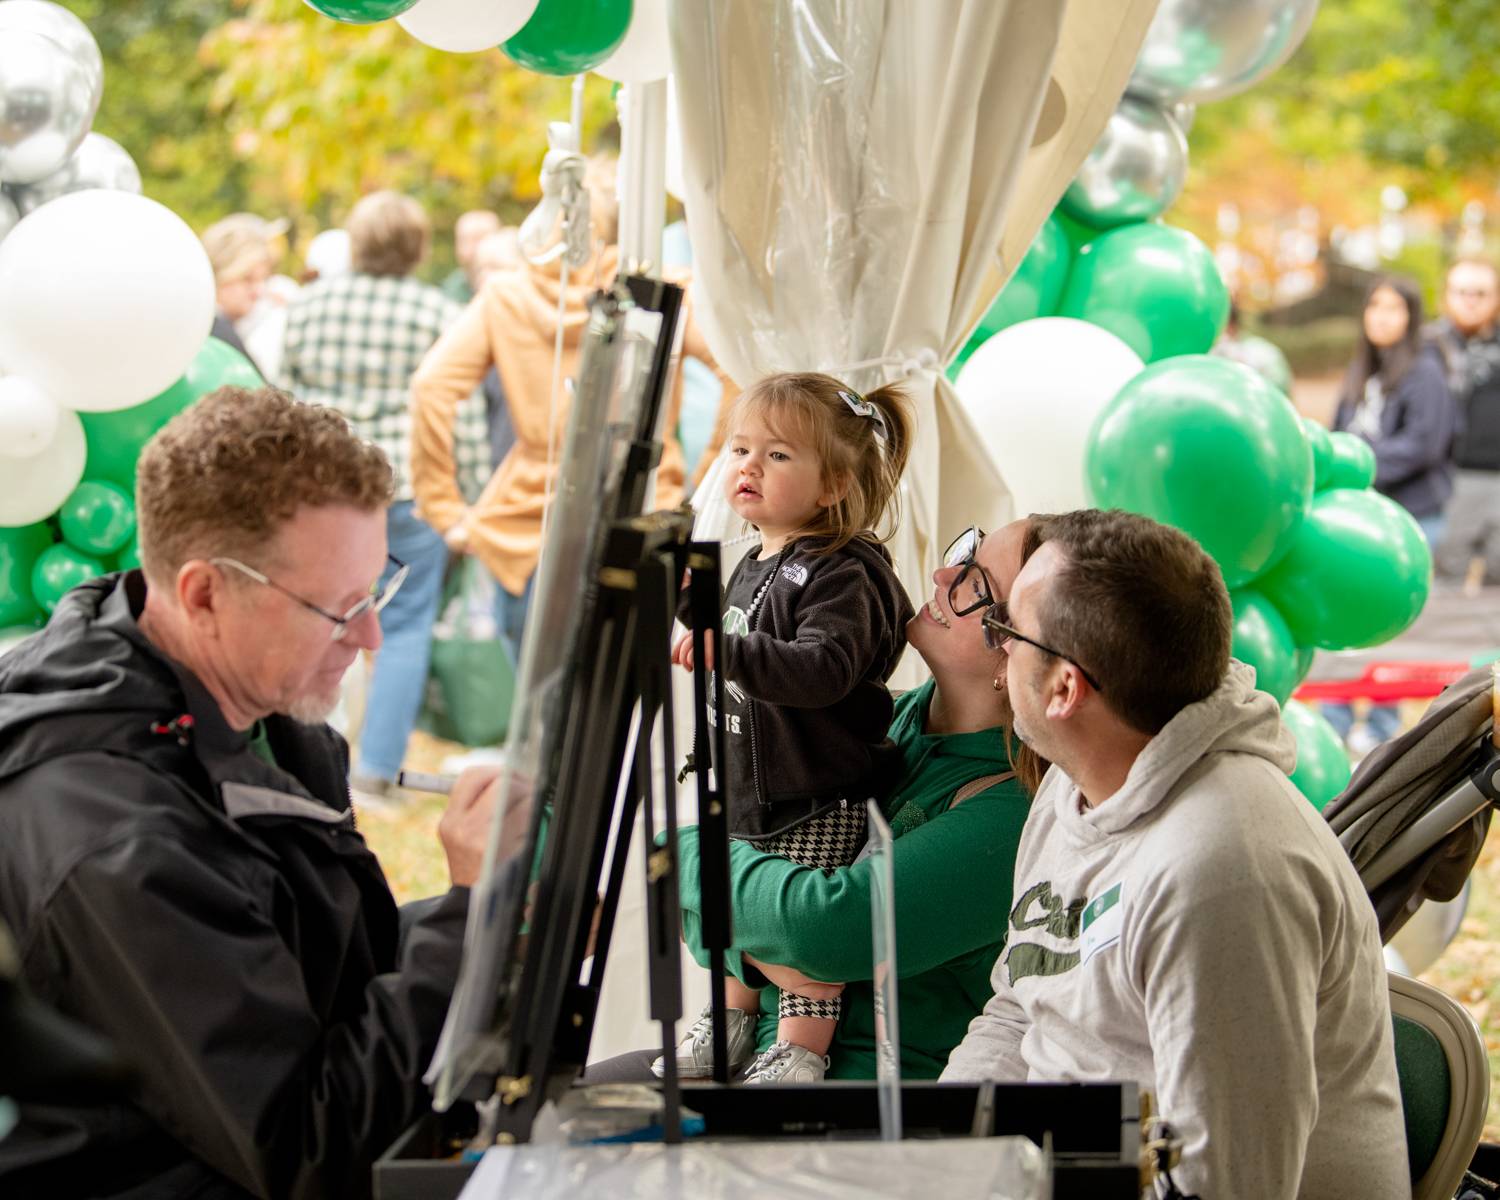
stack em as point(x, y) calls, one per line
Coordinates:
point(1414, 818)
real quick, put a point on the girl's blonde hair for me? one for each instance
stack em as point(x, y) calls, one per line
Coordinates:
point(861, 442)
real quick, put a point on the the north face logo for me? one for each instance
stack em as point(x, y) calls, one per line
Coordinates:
point(794, 573)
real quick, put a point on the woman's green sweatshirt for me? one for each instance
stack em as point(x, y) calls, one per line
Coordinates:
point(953, 870)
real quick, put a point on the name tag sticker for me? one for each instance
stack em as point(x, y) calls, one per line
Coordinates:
point(1103, 918)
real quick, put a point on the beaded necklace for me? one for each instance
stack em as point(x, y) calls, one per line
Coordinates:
point(765, 586)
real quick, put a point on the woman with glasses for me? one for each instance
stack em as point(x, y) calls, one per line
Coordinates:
point(960, 791)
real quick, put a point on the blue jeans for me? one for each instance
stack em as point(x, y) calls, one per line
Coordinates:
point(1432, 529)
point(1384, 720)
point(400, 677)
point(510, 616)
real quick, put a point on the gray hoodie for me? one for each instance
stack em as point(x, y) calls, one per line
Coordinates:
point(1203, 933)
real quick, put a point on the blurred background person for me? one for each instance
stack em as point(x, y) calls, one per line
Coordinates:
point(499, 251)
point(701, 384)
point(240, 251)
point(353, 343)
point(469, 230)
point(1468, 336)
point(1254, 352)
point(512, 327)
point(327, 256)
point(1395, 396)
point(263, 330)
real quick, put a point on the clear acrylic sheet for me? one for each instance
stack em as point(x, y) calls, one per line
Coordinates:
point(1005, 1168)
point(887, 980)
point(613, 368)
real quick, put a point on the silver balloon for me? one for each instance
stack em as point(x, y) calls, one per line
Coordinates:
point(1184, 114)
point(1200, 50)
point(1134, 172)
point(100, 162)
point(46, 105)
point(64, 28)
point(9, 215)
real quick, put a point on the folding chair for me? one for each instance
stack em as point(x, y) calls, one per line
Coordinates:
point(1445, 1085)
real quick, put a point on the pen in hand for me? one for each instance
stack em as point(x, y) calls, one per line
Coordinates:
point(421, 781)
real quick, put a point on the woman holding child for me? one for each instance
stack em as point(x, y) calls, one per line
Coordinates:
point(953, 855)
point(956, 791)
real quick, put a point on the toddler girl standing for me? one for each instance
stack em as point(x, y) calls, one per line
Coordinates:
point(814, 622)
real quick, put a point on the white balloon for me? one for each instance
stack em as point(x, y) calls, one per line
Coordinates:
point(465, 26)
point(646, 53)
point(9, 215)
point(28, 418)
point(1033, 391)
point(35, 487)
point(105, 297)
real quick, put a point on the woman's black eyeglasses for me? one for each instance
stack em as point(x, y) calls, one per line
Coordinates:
point(997, 633)
point(970, 590)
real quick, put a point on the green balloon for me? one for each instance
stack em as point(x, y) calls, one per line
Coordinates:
point(58, 571)
point(1261, 639)
point(115, 439)
point(1357, 573)
point(1322, 449)
point(218, 364)
point(568, 37)
point(1078, 234)
point(1209, 446)
point(13, 636)
point(1037, 285)
point(1305, 656)
point(97, 518)
point(361, 12)
point(20, 547)
point(1352, 462)
point(129, 559)
point(1155, 287)
point(1323, 768)
point(1033, 291)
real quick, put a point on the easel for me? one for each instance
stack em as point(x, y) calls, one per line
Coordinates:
point(625, 695)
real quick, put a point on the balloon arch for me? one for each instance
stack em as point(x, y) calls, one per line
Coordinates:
point(1088, 376)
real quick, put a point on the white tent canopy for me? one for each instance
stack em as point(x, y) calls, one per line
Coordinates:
point(860, 180)
point(861, 177)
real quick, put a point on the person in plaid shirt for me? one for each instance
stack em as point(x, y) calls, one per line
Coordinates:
point(353, 343)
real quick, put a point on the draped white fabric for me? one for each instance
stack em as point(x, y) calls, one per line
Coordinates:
point(861, 177)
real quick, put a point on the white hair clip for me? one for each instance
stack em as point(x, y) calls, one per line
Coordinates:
point(861, 407)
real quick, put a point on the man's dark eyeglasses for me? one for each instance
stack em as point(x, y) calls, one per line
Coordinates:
point(997, 633)
point(970, 590)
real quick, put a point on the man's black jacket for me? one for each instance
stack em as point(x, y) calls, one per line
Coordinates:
point(220, 919)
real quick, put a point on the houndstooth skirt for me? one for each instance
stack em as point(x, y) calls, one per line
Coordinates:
point(832, 840)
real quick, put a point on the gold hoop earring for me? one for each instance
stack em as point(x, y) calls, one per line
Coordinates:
point(996, 684)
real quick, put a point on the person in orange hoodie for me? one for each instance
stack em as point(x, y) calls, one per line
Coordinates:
point(512, 325)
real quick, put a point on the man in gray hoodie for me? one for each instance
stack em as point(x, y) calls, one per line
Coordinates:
point(1183, 918)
